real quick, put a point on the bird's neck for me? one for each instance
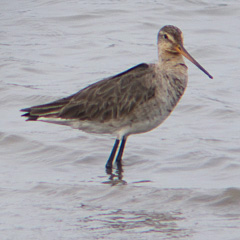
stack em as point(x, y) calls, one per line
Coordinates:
point(170, 59)
point(172, 63)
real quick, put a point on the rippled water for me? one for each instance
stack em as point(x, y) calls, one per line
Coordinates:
point(182, 179)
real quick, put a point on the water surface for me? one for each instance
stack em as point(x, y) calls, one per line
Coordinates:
point(182, 179)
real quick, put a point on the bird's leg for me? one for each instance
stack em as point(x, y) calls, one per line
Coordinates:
point(111, 157)
point(120, 153)
point(119, 159)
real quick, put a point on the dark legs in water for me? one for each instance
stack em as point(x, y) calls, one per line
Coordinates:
point(112, 155)
point(118, 158)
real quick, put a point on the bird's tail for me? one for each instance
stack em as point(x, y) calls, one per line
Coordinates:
point(49, 110)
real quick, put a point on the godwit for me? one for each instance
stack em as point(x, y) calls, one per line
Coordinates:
point(135, 101)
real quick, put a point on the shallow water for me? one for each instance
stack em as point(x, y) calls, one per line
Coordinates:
point(182, 180)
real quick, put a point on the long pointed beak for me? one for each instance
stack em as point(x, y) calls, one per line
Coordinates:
point(185, 53)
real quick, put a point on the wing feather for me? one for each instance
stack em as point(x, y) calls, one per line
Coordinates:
point(111, 98)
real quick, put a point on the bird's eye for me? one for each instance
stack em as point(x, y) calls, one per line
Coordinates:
point(165, 36)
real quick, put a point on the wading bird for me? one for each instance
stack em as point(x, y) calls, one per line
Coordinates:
point(135, 101)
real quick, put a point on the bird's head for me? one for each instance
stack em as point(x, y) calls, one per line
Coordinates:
point(170, 41)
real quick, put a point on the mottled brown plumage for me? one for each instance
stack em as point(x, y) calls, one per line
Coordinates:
point(109, 99)
point(131, 102)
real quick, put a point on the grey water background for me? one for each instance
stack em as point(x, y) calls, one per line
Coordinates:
point(183, 178)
